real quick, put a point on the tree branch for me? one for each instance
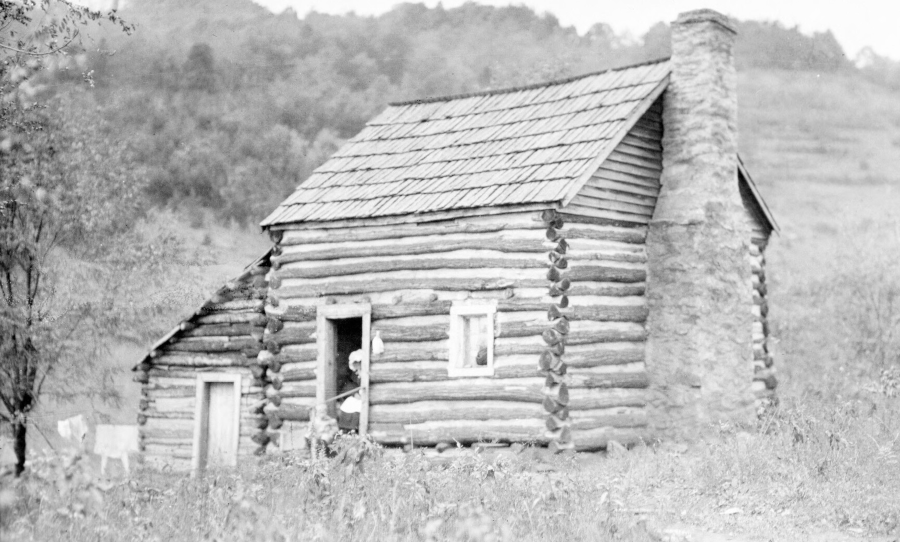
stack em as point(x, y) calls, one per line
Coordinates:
point(32, 53)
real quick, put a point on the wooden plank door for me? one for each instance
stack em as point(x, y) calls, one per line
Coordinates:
point(217, 421)
point(220, 425)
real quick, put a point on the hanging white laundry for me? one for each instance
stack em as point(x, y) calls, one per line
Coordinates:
point(377, 344)
point(73, 429)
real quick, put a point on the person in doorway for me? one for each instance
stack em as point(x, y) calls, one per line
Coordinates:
point(348, 411)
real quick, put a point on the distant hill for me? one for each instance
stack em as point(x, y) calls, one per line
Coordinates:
point(230, 106)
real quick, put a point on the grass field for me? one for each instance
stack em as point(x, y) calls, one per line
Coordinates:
point(824, 465)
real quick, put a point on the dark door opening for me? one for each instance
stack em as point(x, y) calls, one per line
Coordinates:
point(342, 375)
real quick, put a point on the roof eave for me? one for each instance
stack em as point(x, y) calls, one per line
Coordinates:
point(433, 216)
point(636, 115)
point(199, 311)
point(763, 206)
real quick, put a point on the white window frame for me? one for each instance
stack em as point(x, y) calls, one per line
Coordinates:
point(201, 414)
point(457, 311)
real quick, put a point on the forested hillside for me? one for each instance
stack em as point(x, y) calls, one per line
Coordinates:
point(217, 110)
point(219, 97)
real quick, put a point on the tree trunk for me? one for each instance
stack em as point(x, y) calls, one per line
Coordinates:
point(19, 429)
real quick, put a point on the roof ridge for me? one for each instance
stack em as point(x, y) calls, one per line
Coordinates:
point(524, 87)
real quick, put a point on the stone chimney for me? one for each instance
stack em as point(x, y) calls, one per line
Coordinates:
point(699, 351)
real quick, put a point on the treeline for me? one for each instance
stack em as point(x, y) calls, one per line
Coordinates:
point(228, 106)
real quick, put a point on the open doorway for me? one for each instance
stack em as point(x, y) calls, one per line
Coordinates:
point(344, 373)
point(343, 337)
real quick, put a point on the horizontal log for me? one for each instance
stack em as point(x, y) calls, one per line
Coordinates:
point(605, 273)
point(594, 398)
point(606, 289)
point(173, 404)
point(598, 439)
point(580, 332)
point(418, 264)
point(210, 345)
point(429, 245)
point(521, 389)
point(606, 312)
point(221, 330)
point(183, 391)
point(635, 235)
point(401, 310)
point(249, 317)
point(166, 382)
point(295, 333)
point(612, 353)
point(176, 359)
point(414, 351)
point(602, 313)
point(373, 285)
point(628, 377)
point(589, 353)
point(464, 432)
point(294, 412)
point(292, 313)
point(419, 329)
point(253, 305)
point(608, 417)
point(290, 372)
point(165, 372)
point(471, 389)
point(165, 424)
point(588, 255)
point(295, 354)
point(425, 411)
point(293, 238)
point(433, 371)
point(304, 388)
point(183, 441)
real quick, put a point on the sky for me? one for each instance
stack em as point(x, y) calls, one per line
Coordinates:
point(856, 24)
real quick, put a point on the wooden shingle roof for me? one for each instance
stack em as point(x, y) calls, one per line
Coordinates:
point(526, 145)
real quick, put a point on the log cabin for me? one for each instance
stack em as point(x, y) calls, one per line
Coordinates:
point(565, 264)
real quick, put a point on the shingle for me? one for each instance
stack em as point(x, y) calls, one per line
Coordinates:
point(481, 150)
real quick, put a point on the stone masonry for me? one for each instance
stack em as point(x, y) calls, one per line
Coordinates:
point(699, 352)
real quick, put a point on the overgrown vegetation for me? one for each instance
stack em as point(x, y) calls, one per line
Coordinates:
point(217, 110)
point(807, 469)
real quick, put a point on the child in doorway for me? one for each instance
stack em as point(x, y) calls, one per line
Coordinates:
point(348, 411)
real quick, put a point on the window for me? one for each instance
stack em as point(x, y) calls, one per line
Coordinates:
point(471, 340)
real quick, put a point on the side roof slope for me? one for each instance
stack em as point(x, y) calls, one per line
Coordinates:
point(526, 145)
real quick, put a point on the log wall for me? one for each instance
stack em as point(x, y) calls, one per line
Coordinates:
point(223, 336)
point(411, 275)
point(764, 380)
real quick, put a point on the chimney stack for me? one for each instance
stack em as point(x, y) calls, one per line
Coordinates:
point(699, 351)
